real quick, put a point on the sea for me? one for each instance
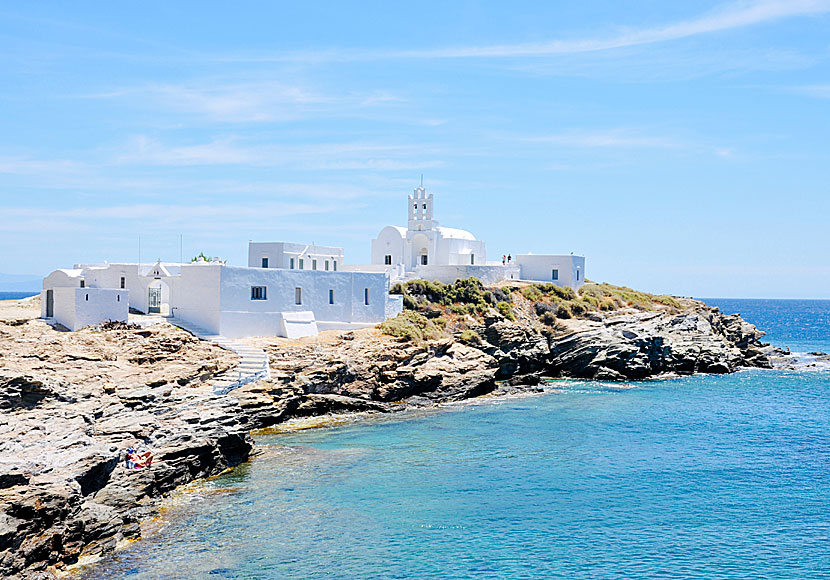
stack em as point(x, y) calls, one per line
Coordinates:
point(704, 477)
point(17, 295)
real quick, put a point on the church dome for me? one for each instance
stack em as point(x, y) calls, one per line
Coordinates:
point(455, 233)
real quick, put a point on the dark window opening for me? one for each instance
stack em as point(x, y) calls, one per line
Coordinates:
point(387, 259)
point(264, 262)
point(259, 293)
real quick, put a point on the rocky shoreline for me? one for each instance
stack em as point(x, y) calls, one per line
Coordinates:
point(73, 402)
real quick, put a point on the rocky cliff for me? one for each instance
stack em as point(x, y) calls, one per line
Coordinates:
point(71, 403)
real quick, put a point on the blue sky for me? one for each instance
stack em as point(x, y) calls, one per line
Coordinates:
point(682, 147)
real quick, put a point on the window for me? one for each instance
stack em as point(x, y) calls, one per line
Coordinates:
point(301, 263)
point(335, 265)
point(298, 295)
point(424, 260)
point(83, 283)
point(472, 259)
point(259, 293)
point(314, 264)
point(87, 297)
point(264, 262)
point(577, 274)
point(331, 296)
point(123, 282)
point(327, 265)
point(387, 259)
point(425, 206)
point(291, 264)
point(366, 296)
point(554, 275)
point(118, 297)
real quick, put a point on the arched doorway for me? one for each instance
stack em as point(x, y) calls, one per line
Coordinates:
point(420, 250)
point(158, 298)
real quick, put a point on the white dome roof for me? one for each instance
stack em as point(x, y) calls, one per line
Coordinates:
point(455, 233)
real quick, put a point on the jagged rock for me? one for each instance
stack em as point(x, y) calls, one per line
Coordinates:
point(73, 402)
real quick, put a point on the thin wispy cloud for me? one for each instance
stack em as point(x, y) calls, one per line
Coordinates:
point(728, 16)
point(610, 139)
point(143, 150)
point(815, 91)
point(250, 101)
point(16, 165)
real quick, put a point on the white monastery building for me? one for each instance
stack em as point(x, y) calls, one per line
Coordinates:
point(428, 251)
point(290, 289)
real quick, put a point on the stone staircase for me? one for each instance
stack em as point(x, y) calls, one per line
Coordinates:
point(252, 367)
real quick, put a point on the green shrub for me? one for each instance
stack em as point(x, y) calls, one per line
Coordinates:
point(469, 337)
point(410, 326)
point(549, 318)
point(532, 293)
point(563, 292)
point(506, 310)
point(564, 312)
point(495, 295)
point(468, 291)
point(668, 301)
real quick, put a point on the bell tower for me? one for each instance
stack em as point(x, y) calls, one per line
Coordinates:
point(420, 211)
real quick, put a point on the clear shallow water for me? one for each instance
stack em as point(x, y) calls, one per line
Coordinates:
point(701, 477)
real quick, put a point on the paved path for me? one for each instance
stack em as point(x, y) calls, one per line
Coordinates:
point(253, 365)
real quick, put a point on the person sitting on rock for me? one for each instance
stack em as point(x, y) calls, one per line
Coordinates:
point(137, 460)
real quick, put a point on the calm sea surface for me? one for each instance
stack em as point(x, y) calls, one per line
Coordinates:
point(16, 295)
point(700, 477)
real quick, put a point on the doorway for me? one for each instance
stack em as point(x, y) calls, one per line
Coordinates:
point(50, 304)
point(154, 301)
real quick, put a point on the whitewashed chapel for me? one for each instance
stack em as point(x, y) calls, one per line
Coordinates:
point(290, 289)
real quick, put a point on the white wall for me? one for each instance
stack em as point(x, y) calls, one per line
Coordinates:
point(76, 308)
point(390, 241)
point(197, 299)
point(487, 274)
point(279, 255)
point(539, 268)
point(457, 251)
point(239, 315)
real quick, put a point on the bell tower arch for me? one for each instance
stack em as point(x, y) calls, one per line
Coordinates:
point(420, 208)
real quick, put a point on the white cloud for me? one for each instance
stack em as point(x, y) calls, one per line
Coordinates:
point(16, 165)
point(252, 101)
point(815, 91)
point(728, 16)
point(616, 138)
point(143, 150)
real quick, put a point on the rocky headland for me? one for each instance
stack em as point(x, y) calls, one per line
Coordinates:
point(71, 403)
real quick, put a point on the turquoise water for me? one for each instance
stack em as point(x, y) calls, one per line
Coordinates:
point(700, 477)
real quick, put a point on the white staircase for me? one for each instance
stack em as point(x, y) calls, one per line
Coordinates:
point(253, 365)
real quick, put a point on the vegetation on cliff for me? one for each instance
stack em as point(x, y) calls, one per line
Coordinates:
point(433, 309)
